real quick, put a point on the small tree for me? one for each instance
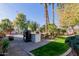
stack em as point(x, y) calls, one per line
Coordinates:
point(33, 26)
point(6, 24)
point(68, 14)
point(42, 28)
point(20, 22)
point(52, 29)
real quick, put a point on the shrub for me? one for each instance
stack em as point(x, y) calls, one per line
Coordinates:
point(2, 34)
point(61, 31)
point(5, 45)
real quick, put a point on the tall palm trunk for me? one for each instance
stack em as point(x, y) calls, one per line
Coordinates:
point(53, 17)
point(46, 17)
point(53, 12)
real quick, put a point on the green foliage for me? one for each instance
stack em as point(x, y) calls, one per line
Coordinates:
point(20, 21)
point(5, 24)
point(61, 31)
point(33, 25)
point(1, 29)
point(42, 28)
point(69, 14)
point(5, 45)
point(52, 28)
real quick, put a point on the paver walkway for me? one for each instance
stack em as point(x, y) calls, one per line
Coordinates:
point(19, 48)
point(16, 51)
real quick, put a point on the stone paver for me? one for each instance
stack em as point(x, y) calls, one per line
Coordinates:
point(16, 51)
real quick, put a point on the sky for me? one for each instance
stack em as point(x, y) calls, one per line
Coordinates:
point(33, 12)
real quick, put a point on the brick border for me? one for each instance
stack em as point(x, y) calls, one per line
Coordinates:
point(30, 54)
point(67, 52)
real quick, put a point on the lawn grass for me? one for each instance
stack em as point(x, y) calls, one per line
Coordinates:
point(54, 48)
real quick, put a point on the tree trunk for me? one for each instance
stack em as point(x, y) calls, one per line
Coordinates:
point(46, 17)
point(53, 12)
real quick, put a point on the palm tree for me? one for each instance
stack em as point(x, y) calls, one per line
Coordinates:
point(53, 12)
point(46, 16)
